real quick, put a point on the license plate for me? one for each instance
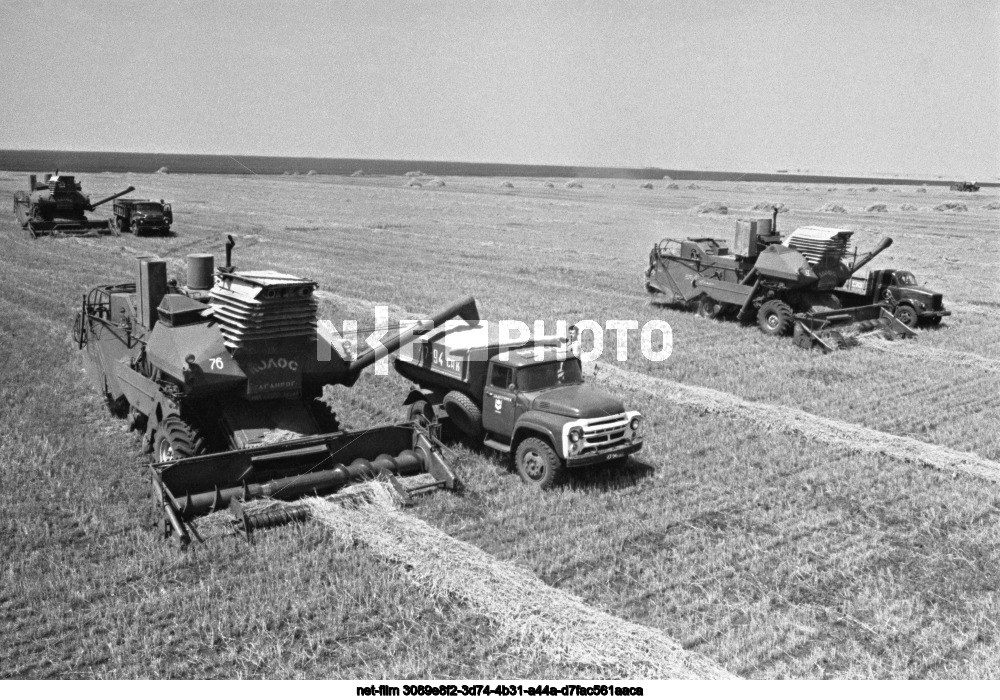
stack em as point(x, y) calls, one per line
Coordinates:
point(614, 455)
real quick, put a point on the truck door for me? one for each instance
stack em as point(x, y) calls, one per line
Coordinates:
point(499, 401)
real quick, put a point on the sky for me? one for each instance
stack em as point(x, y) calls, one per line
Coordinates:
point(840, 86)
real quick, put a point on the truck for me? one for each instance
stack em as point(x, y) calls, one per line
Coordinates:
point(788, 284)
point(144, 217)
point(911, 303)
point(525, 398)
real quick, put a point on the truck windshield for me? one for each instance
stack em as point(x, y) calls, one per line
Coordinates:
point(149, 208)
point(906, 279)
point(549, 374)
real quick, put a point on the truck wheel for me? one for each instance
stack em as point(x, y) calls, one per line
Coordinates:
point(464, 413)
point(538, 464)
point(709, 308)
point(906, 315)
point(775, 318)
point(176, 439)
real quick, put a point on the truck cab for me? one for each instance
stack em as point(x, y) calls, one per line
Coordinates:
point(526, 399)
point(910, 302)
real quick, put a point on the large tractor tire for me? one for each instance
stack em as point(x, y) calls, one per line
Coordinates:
point(906, 315)
point(464, 414)
point(538, 464)
point(775, 318)
point(177, 439)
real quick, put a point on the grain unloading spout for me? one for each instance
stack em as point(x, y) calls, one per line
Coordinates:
point(465, 309)
point(98, 203)
point(867, 258)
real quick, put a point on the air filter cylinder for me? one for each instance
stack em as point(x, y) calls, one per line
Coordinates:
point(199, 271)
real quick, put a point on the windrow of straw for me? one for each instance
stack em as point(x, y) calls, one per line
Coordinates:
point(785, 419)
point(532, 617)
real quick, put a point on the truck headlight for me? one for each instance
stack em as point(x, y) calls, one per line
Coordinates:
point(575, 435)
point(635, 424)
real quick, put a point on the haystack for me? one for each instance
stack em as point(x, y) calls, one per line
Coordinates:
point(646, 186)
point(311, 173)
point(673, 186)
point(951, 205)
point(833, 208)
point(769, 207)
point(873, 189)
point(712, 208)
point(436, 182)
point(358, 173)
point(992, 206)
point(573, 184)
point(414, 183)
point(877, 206)
point(414, 173)
point(163, 171)
point(547, 184)
point(507, 183)
point(693, 186)
point(667, 177)
point(908, 207)
point(922, 190)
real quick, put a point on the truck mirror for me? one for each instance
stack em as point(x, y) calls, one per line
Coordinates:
point(512, 387)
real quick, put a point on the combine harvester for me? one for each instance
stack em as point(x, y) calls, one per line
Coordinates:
point(224, 376)
point(791, 286)
point(58, 207)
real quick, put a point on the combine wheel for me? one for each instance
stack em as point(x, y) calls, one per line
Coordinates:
point(464, 413)
point(537, 464)
point(709, 308)
point(775, 318)
point(906, 315)
point(176, 439)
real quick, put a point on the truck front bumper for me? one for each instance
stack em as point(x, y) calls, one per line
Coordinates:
point(612, 453)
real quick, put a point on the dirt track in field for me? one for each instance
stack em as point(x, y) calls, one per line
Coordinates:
point(794, 421)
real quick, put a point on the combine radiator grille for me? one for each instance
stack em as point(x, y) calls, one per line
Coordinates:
point(819, 244)
point(263, 306)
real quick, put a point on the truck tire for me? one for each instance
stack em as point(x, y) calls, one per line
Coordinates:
point(775, 318)
point(176, 439)
point(538, 464)
point(906, 315)
point(464, 413)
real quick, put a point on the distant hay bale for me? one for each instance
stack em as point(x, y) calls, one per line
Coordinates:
point(951, 205)
point(833, 208)
point(712, 208)
point(769, 207)
point(831, 189)
point(908, 207)
point(547, 184)
point(693, 186)
point(992, 206)
point(574, 185)
point(873, 189)
point(877, 206)
point(163, 171)
point(414, 183)
point(358, 173)
point(646, 186)
point(667, 177)
point(286, 173)
point(311, 173)
point(790, 188)
point(436, 182)
point(295, 173)
point(414, 173)
point(508, 184)
point(922, 190)
point(673, 186)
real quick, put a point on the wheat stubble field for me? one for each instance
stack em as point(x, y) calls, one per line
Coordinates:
point(743, 531)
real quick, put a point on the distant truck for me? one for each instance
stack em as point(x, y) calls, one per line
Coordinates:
point(911, 303)
point(529, 402)
point(144, 217)
point(967, 186)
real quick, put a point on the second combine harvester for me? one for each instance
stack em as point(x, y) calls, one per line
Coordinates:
point(789, 287)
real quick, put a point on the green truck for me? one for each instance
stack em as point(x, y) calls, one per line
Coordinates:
point(911, 303)
point(523, 398)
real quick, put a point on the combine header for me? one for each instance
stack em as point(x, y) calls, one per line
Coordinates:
point(790, 287)
point(58, 207)
point(224, 378)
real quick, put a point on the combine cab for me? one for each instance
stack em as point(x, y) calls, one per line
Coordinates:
point(790, 287)
point(58, 207)
point(224, 376)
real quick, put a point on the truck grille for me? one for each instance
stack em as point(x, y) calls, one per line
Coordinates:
point(602, 433)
